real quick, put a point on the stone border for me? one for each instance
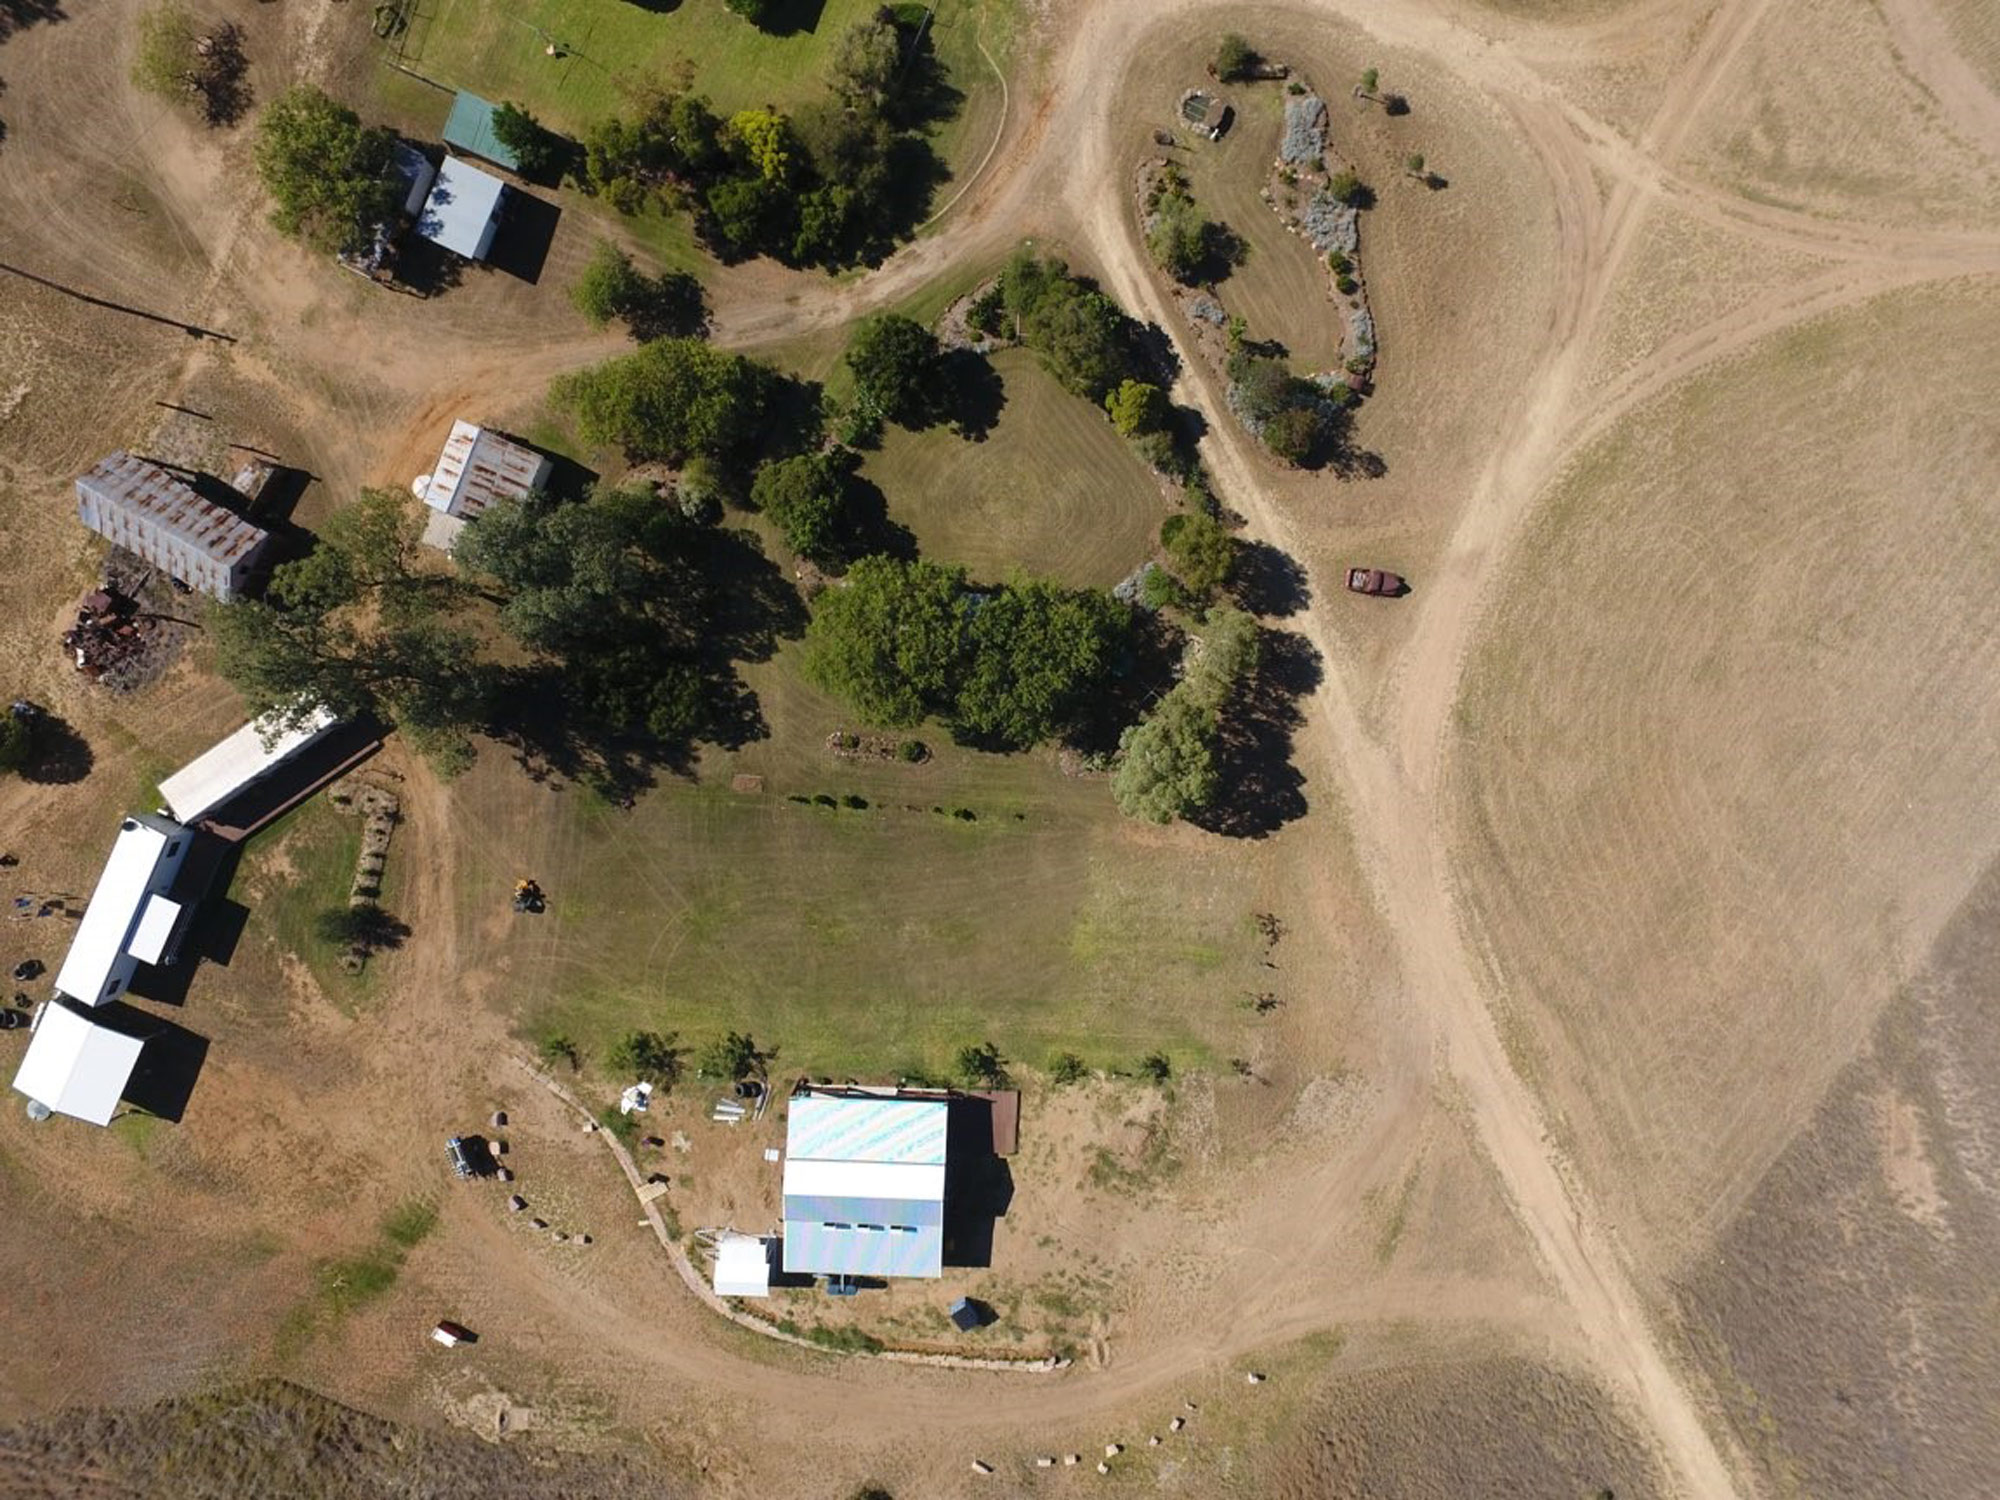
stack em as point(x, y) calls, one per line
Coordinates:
point(697, 1285)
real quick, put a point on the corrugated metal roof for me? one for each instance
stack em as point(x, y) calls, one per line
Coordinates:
point(478, 467)
point(141, 507)
point(913, 1213)
point(827, 1127)
point(224, 769)
point(827, 1250)
point(77, 1067)
point(469, 127)
point(462, 210)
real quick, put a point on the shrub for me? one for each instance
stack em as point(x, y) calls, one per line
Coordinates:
point(911, 751)
point(1347, 285)
point(180, 64)
point(557, 1047)
point(733, 1056)
point(896, 365)
point(1201, 551)
point(858, 804)
point(1157, 1066)
point(648, 1056)
point(981, 1066)
point(1066, 1068)
point(1234, 58)
point(1346, 187)
point(1138, 407)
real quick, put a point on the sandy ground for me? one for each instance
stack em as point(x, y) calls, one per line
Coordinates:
point(1527, 312)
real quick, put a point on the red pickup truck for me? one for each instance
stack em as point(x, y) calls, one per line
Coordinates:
point(1375, 581)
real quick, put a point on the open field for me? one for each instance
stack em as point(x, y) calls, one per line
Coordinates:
point(1619, 1124)
point(1675, 639)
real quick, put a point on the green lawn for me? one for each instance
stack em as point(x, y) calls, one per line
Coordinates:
point(1052, 489)
point(1282, 290)
point(616, 46)
point(866, 940)
point(296, 869)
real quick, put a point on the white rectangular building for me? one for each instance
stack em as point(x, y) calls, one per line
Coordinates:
point(141, 507)
point(462, 210)
point(220, 772)
point(476, 468)
point(76, 1067)
point(864, 1185)
point(130, 920)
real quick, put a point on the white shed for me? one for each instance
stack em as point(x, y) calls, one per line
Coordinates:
point(75, 1066)
point(742, 1266)
point(477, 467)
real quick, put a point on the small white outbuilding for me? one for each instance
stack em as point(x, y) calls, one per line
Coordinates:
point(76, 1067)
point(742, 1266)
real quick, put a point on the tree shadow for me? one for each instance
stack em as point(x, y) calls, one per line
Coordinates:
point(871, 532)
point(19, 15)
point(676, 306)
point(1261, 790)
point(923, 93)
point(794, 418)
point(1146, 674)
point(972, 393)
point(789, 17)
point(61, 756)
point(1154, 356)
point(1266, 581)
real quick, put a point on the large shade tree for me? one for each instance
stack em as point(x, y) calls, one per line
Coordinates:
point(327, 174)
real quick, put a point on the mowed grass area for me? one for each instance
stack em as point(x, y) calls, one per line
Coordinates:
point(301, 867)
point(1052, 489)
point(864, 940)
point(1282, 290)
point(616, 48)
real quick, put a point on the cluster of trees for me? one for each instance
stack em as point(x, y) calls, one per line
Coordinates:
point(1168, 763)
point(1299, 420)
point(327, 174)
point(1004, 668)
point(668, 305)
point(184, 64)
point(1194, 250)
point(1084, 339)
point(670, 399)
point(835, 185)
point(587, 632)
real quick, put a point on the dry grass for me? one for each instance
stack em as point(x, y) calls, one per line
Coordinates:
point(1848, 1311)
point(1710, 800)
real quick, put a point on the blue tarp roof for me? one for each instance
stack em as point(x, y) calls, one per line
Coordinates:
point(469, 127)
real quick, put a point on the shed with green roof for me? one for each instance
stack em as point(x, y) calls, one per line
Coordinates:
point(469, 128)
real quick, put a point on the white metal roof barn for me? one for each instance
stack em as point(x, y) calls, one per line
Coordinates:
point(130, 919)
point(462, 212)
point(75, 1066)
point(864, 1186)
point(226, 768)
